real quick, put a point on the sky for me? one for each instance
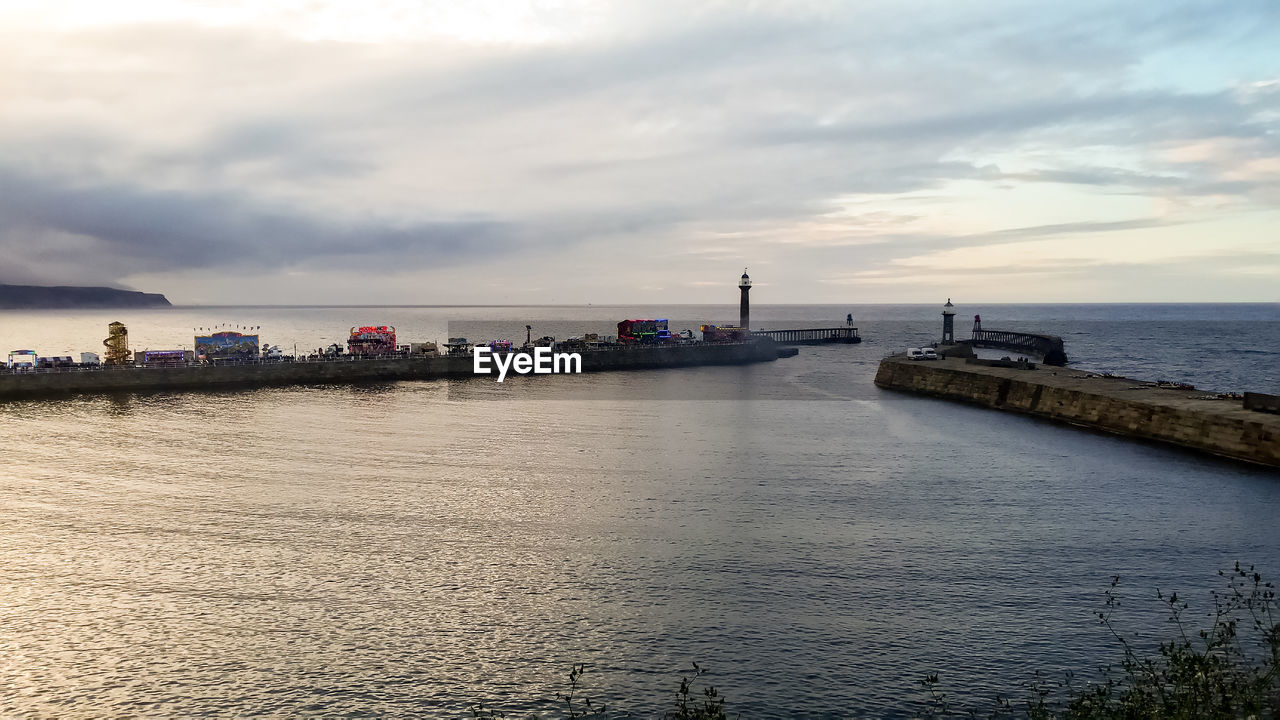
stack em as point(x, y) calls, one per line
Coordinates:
point(562, 152)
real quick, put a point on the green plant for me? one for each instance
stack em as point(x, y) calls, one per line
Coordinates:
point(690, 704)
point(1230, 669)
point(711, 706)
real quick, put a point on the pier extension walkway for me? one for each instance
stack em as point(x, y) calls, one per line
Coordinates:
point(1048, 347)
point(811, 336)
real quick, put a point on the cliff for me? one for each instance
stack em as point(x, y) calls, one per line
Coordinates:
point(36, 297)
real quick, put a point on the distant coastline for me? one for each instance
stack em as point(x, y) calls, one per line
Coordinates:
point(37, 297)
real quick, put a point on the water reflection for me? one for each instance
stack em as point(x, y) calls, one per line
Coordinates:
point(404, 549)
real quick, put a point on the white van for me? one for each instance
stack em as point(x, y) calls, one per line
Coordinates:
point(915, 354)
point(928, 354)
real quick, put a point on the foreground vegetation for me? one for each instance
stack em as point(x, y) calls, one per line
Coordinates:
point(1230, 669)
point(693, 701)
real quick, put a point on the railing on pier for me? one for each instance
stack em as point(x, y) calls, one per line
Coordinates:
point(1048, 347)
point(811, 336)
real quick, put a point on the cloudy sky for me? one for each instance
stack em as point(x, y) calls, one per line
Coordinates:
point(422, 152)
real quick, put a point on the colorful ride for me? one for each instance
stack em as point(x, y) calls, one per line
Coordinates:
point(638, 332)
point(372, 340)
point(226, 345)
point(22, 359)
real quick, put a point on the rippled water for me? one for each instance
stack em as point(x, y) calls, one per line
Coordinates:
point(408, 549)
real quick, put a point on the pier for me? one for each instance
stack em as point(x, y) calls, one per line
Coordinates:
point(1048, 347)
point(1192, 419)
point(353, 369)
point(810, 336)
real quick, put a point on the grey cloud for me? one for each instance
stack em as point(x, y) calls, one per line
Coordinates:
point(432, 155)
point(293, 149)
point(1099, 176)
point(1065, 267)
point(1161, 114)
point(147, 230)
point(1113, 177)
point(1057, 229)
point(902, 245)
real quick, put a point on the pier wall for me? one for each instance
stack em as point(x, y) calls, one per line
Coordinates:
point(1115, 405)
point(1262, 402)
point(127, 379)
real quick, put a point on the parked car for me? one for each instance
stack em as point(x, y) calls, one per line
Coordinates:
point(929, 354)
point(915, 354)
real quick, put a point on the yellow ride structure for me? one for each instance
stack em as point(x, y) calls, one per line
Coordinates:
point(117, 344)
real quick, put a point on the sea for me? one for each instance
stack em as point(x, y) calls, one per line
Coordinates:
point(816, 545)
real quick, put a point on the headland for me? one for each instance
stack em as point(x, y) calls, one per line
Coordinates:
point(39, 297)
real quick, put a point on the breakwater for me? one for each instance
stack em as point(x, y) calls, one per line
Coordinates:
point(1184, 417)
point(351, 370)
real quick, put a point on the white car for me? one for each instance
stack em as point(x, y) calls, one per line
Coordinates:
point(928, 354)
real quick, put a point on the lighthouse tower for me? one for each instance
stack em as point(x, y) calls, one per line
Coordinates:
point(948, 323)
point(744, 308)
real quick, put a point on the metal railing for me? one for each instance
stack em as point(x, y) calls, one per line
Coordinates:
point(834, 334)
point(1048, 347)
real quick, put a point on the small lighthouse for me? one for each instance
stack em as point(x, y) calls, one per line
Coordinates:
point(744, 308)
point(948, 323)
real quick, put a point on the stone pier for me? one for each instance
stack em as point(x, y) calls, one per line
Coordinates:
point(1188, 418)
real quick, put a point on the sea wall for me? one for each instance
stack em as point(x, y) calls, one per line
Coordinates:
point(1262, 402)
point(1187, 418)
point(126, 379)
